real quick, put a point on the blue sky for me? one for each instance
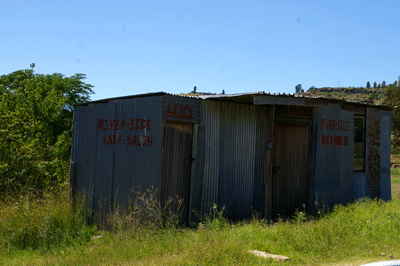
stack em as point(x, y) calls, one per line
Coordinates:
point(133, 47)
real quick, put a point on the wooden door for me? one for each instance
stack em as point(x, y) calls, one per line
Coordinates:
point(290, 177)
point(176, 168)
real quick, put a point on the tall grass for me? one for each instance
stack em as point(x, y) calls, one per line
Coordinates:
point(144, 213)
point(349, 235)
point(46, 221)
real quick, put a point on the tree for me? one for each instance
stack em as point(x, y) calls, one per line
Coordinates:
point(379, 85)
point(312, 88)
point(392, 99)
point(36, 126)
point(298, 88)
point(368, 85)
point(374, 84)
point(383, 84)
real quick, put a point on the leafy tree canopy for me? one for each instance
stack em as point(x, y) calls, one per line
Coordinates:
point(392, 99)
point(298, 88)
point(36, 127)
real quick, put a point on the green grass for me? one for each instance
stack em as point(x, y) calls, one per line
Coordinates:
point(47, 232)
point(395, 173)
point(30, 223)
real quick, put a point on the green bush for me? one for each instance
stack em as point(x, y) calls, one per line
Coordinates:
point(36, 111)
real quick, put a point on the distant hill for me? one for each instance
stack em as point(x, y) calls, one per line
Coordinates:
point(368, 95)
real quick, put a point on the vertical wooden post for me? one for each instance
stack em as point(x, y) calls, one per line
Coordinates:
point(268, 162)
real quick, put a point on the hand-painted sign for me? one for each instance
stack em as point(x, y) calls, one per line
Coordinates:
point(339, 125)
point(134, 124)
point(179, 110)
point(335, 126)
point(335, 140)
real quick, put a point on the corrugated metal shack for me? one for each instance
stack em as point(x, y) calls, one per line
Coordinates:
point(253, 153)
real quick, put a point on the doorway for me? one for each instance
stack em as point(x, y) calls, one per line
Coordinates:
point(290, 171)
point(176, 166)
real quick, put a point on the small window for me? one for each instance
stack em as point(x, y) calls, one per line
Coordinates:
point(359, 140)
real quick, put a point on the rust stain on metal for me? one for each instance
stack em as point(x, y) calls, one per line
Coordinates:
point(373, 154)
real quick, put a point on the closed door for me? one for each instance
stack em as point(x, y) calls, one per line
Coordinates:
point(290, 178)
point(176, 168)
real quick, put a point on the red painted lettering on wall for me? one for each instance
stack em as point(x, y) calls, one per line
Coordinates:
point(334, 140)
point(135, 124)
point(129, 140)
point(120, 124)
point(335, 125)
point(179, 111)
point(339, 125)
point(138, 124)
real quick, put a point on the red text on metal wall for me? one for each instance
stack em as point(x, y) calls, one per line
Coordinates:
point(179, 110)
point(136, 127)
point(335, 125)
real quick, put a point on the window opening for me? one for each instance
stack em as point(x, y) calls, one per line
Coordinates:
point(359, 143)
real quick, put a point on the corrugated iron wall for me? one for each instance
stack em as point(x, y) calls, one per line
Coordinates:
point(386, 129)
point(84, 150)
point(104, 161)
point(237, 159)
point(359, 185)
point(234, 168)
point(117, 148)
point(211, 120)
point(332, 174)
point(260, 160)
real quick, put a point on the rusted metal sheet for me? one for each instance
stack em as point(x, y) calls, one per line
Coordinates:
point(386, 126)
point(373, 152)
point(181, 109)
point(332, 171)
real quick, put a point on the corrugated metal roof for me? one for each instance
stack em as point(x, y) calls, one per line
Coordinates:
point(246, 97)
point(243, 97)
point(150, 94)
